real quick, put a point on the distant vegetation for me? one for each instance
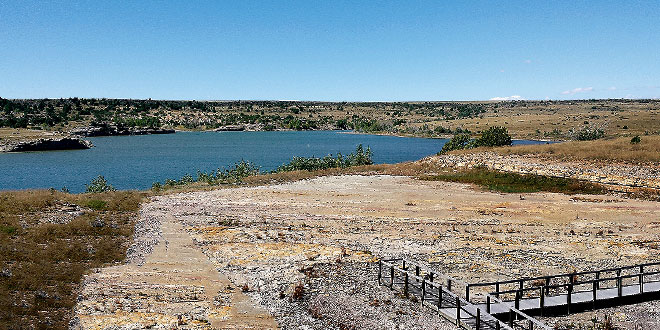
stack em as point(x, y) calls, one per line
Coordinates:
point(558, 120)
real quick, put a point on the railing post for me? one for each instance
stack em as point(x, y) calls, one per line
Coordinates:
point(542, 300)
point(594, 290)
point(619, 283)
point(405, 284)
point(467, 293)
point(510, 318)
point(569, 297)
point(547, 285)
point(423, 290)
point(404, 265)
point(458, 311)
point(391, 276)
point(416, 270)
point(597, 280)
point(380, 270)
point(449, 284)
point(497, 290)
point(488, 304)
point(497, 324)
point(531, 325)
point(439, 297)
point(641, 279)
point(478, 318)
point(431, 275)
point(517, 299)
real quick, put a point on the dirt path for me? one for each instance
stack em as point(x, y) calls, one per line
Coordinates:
point(177, 286)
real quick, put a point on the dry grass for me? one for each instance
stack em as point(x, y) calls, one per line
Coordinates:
point(618, 149)
point(42, 263)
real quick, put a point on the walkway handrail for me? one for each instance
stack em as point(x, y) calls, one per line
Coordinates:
point(607, 270)
point(572, 280)
point(513, 311)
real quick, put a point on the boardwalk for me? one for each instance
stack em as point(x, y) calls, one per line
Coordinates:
point(510, 304)
point(573, 292)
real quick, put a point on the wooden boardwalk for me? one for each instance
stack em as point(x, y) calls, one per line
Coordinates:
point(510, 304)
point(573, 292)
point(436, 292)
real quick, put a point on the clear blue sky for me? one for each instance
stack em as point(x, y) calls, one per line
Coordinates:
point(330, 50)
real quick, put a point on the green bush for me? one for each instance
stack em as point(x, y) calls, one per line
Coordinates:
point(99, 185)
point(457, 142)
point(235, 174)
point(495, 136)
point(636, 140)
point(587, 134)
point(358, 158)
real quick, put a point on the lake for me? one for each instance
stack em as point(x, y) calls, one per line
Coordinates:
point(135, 162)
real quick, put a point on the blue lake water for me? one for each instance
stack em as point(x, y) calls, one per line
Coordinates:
point(135, 162)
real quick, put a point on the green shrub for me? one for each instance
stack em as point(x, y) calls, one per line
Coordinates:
point(9, 230)
point(96, 204)
point(357, 158)
point(495, 136)
point(457, 142)
point(99, 185)
point(636, 140)
point(587, 134)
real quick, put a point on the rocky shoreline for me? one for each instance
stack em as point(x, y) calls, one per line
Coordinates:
point(110, 130)
point(46, 144)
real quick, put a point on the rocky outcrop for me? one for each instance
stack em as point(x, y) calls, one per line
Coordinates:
point(230, 128)
point(615, 175)
point(47, 144)
point(110, 130)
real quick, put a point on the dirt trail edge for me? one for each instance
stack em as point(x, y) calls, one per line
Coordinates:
point(174, 286)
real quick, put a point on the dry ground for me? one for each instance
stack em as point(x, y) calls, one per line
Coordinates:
point(304, 251)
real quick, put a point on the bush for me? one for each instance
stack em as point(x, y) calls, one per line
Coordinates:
point(459, 141)
point(636, 140)
point(587, 134)
point(235, 174)
point(358, 158)
point(495, 136)
point(99, 185)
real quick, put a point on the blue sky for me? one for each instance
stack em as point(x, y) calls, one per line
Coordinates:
point(330, 50)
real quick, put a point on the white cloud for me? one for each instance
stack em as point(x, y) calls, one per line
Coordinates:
point(578, 90)
point(507, 98)
point(528, 61)
point(611, 88)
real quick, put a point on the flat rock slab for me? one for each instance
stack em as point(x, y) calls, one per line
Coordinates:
point(177, 286)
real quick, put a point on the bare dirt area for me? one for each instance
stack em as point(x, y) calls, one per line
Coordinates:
point(302, 254)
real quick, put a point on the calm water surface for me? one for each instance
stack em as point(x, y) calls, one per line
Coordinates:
point(135, 162)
